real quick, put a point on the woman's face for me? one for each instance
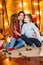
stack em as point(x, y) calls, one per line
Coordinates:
point(21, 16)
point(26, 19)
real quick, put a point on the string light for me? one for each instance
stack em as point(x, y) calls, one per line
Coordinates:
point(6, 23)
point(38, 12)
point(24, 4)
point(7, 59)
point(27, 12)
point(35, 3)
point(20, 5)
point(37, 21)
point(8, 39)
point(0, 5)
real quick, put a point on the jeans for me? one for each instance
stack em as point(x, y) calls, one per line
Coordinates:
point(30, 41)
point(12, 43)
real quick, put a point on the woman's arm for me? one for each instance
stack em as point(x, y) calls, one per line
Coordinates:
point(23, 29)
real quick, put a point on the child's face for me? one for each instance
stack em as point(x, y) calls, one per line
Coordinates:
point(26, 19)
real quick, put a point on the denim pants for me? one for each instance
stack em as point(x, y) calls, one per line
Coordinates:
point(30, 41)
point(12, 43)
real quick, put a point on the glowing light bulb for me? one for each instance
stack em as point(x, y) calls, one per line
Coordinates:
point(35, 3)
point(40, 12)
point(20, 5)
point(6, 23)
point(24, 3)
point(7, 59)
point(0, 6)
point(37, 21)
point(27, 12)
point(37, 13)
point(8, 39)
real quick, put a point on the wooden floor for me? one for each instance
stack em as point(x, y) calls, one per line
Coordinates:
point(23, 56)
point(22, 61)
point(26, 51)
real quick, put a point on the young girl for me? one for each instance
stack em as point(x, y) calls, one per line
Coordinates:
point(15, 31)
point(30, 33)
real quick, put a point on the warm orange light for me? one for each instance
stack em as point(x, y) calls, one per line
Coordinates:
point(6, 23)
point(40, 12)
point(24, 3)
point(7, 59)
point(1, 36)
point(27, 12)
point(0, 5)
point(34, 16)
point(6, 62)
point(7, 39)
point(37, 13)
point(20, 5)
point(9, 13)
point(35, 3)
point(37, 21)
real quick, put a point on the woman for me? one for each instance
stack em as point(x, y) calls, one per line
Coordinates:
point(30, 33)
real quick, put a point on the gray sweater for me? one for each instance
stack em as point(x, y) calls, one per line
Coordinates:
point(29, 30)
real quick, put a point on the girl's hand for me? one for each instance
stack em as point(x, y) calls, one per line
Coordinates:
point(17, 33)
point(34, 35)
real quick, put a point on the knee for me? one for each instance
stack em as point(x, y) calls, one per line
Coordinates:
point(23, 42)
point(13, 40)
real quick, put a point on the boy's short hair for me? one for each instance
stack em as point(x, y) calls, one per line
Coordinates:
point(30, 16)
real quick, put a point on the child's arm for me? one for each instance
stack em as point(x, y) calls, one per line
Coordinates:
point(36, 32)
point(17, 33)
point(34, 35)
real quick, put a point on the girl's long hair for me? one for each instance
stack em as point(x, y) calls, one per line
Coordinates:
point(13, 22)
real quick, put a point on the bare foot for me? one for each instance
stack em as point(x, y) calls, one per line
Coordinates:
point(25, 45)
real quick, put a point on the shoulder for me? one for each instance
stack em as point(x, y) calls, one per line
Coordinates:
point(33, 25)
point(24, 25)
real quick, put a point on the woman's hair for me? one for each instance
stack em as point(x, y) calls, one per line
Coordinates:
point(14, 21)
point(30, 16)
point(21, 12)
